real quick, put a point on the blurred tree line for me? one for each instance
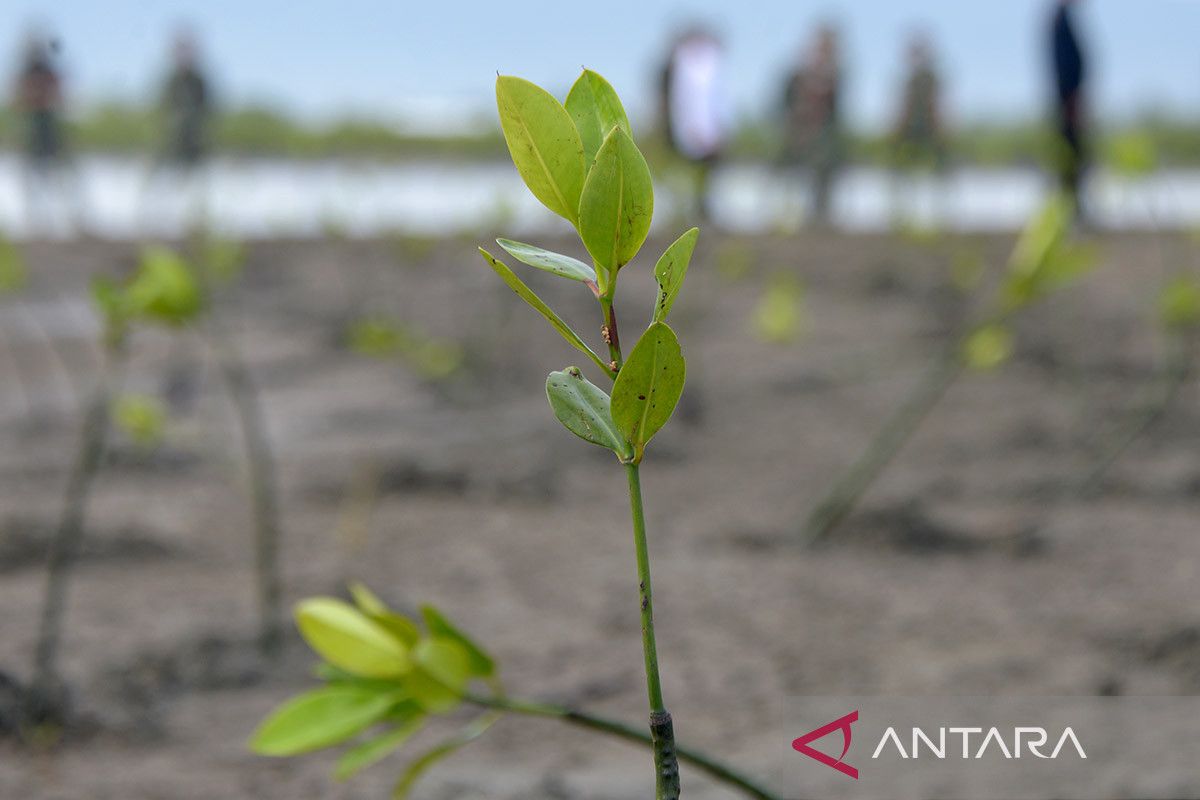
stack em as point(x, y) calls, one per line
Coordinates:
point(260, 130)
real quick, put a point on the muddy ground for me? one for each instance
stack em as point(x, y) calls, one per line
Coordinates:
point(970, 569)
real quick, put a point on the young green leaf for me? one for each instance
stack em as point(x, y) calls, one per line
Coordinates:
point(479, 662)
point(561, 265)
point(583, 409)
point(346, 638)
point(476, 728)
point(539, 305)
point(13, 274)
point(987, 347)
point(669, 272)
point(399, 626)
point(441, 674)
point(375, 749)
point(544, 144)
point(648, 386)
point(320, 718)
point(1179, 303)
point(164, 288)
point(617, 203)
point(596, 109)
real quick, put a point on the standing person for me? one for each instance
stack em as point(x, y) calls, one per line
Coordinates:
point(1070, 80)
point(187, 105)
point(812, 117)
point(695, 107)
point(917, 138)
point(39, 100)
point(918, 131)
point(175, 188)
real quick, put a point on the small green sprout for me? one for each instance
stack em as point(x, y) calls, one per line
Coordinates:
point(390, 673)
point(779, 315)
point(142, 418)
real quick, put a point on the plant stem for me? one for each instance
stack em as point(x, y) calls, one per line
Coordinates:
point(64, 548)
point(260, 464)
point(611, 337)
point(662, 732)
point(620, 730)
point(1173, 378)
point(849, 488)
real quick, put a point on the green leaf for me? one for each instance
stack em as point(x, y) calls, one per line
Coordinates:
point(563, 266)
point(142, 417)
point(779, 315)
point(648, 386)
point(617, 203)
point(988, 347)
point(399, 626)
point(544, 144)
point(584, 409)
point(164, 288)
point(373, 750)
point(347, 638)
point(596, 109)
point(418, 768)
point(1179, 303)
point(441, 674)
point(320, 718)
point(539, 305)
point(669, 272)
point(13, 274)
point(479, 662)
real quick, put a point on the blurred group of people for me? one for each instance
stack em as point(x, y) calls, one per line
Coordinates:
point(697, 118)
point(38, 97)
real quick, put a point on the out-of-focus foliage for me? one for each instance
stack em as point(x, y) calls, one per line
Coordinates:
point(779, 315)
point(1045, 258)
point(987, 347)
point(1131, 154)
point(385, 675)
point(140, 417)
point(382, 337)
point(967, 268)
point(1179, 303)
point(13, 273)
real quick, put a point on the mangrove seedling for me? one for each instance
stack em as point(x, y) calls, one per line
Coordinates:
point(386, 673)
point(1044, 260)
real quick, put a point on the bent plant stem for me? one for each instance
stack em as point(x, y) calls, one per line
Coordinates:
point(715, 769)
point(264, 496)
point(1175, 375)
point(844, 495)
point(64, 549)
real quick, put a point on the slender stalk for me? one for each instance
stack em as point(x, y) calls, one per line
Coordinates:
point(1174, 376)
point(845, 493)
point(264, 497)
point(662, 730)
point(64, 548)
point(715, 769)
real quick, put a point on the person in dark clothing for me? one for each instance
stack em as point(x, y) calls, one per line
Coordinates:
point(48, 174)
point(813, 135)
point(187, 104)
point(1070, 80)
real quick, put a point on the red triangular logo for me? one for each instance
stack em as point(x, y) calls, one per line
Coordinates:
point(843, 724)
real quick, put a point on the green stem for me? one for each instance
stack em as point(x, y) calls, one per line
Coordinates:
point(611, 337)
point(64, 548)
point(849, 488)
point(662, 732)
point(715, 769)
point(1174, 376)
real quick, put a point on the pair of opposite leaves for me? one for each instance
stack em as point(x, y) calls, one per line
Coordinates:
point(580, 161)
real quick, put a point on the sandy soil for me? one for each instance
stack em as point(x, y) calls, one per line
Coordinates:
point(970, 568)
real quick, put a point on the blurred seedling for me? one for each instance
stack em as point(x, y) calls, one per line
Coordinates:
point(1044, 260)
point(735, 259)
point(386, 673)
point(163, 291)
point(778, 317)
point(1178, 315)
point(431, 358)
point(142, 419)
point(13, 272)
